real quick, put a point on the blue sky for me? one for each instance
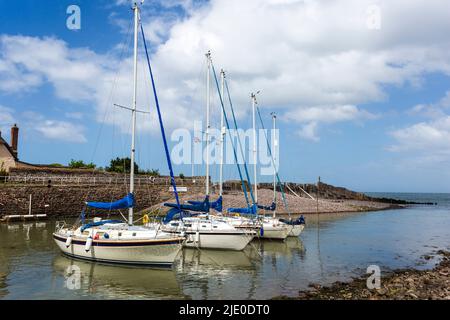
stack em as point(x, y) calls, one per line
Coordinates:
point(363, 106)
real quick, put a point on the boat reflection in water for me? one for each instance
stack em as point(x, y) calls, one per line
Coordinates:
point(218, 274)
point(292, 246)
point(115, 282)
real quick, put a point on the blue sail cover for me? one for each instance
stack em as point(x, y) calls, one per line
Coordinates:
point(98, 223)
point(251, 210)
point(300, 220)
point(216, 205)
point(127, 202)
point(175, 213)
point(197, 206)
point(272, 207)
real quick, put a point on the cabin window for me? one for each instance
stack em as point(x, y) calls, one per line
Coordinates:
point(120, 234)
point(134, 234)
point(203, 226)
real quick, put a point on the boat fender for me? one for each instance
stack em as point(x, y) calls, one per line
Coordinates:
point(88, 244)
point(261, 232)
point(68, 241)
point(106, 236)
point(197, 237)
point(145, 219)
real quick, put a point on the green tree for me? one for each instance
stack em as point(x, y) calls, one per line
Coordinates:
point(56, 165)
point(79, 164)
point(121, 165)
point(152, 172)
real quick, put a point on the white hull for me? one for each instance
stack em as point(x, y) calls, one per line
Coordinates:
point(296, 230)
point(274, 229)
point(278, 233)
point(157, 253)
point(210, 233)
point(235, 242)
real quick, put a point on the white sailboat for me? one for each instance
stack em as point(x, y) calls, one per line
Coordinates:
point(237, 221)
point(207, 231)
point(115, 241)
point(273, 228)
point(296, 226)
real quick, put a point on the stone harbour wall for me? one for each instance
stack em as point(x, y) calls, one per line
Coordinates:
point(69, 200)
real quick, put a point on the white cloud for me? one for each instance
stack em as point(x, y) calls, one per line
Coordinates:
point(6, 115)
point(61, 130)
point(432, 136)
point(310, 118)
point(432, 110)
point(6, 118)
point(426, 142)
point(329, 114)
point(314, 59)
point(72, 72)
point(74, 115)
point(309, 131)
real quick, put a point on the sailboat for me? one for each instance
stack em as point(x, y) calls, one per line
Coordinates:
point(117, 241)
point(295, 226)
point(205, 231)
point(273, 228)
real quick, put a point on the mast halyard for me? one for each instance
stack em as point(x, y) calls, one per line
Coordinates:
point(208, 105)
point(222, 134)
point(255, 155)
point(133, 111)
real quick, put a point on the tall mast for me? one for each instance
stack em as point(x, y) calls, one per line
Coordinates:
point(133, 111)
point(208, 103)
point(274, 153)
point(255, 155)
point(222, 135)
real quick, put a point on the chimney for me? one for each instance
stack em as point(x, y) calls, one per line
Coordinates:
point(14, 139)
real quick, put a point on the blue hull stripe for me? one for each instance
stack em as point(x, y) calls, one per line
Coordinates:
point(165, 265)
point(119, 244)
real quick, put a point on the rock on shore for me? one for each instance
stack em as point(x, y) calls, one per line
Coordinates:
point(408, 284)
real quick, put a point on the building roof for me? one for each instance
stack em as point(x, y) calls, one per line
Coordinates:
point(8, 147)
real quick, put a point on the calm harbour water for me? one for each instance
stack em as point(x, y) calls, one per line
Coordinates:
point(331, 248)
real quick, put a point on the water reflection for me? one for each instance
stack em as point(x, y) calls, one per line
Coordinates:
point(115, 282)
point(215, 274)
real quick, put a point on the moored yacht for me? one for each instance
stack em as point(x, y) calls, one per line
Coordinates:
point(208, 232)
point(205, 231)
point(115, 241)
point(112, 241)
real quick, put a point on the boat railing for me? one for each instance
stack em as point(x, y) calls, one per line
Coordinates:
point(59, 225)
